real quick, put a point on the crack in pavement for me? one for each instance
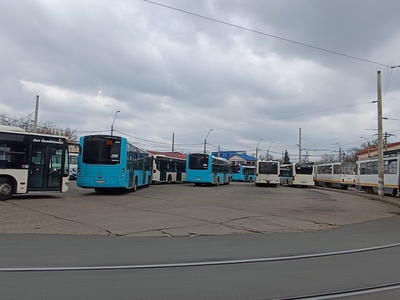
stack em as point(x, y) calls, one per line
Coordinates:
point(109, 233)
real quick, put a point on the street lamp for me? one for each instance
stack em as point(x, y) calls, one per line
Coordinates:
point(257, 148)
point(205, 140)
point(268, 150)
point(340, 151)
point(112, 125)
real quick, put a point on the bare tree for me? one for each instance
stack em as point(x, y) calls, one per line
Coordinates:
point(47, 127)
point(327, 158)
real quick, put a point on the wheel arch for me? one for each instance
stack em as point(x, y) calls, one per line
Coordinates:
point(13, 182)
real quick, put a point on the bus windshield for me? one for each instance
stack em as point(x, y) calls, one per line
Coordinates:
point(268, 168)
point(101, 150)
point(305, 169)
point(197, 162)
point(248, 171)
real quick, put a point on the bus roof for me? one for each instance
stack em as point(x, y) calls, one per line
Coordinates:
point(18, 130)
point(11, 128)
point(176, 155)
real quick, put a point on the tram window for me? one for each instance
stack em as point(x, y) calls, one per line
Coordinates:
point(368, 169)
point(363, 167)
point(392, 166)
point(336, 169)
point(385, 167)
point(375, 167)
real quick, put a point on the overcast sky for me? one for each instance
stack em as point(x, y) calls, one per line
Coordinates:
point(168, 71)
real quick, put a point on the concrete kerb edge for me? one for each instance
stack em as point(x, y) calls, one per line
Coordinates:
point(386, 199)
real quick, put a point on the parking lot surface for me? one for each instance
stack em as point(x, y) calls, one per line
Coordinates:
point(185, 210)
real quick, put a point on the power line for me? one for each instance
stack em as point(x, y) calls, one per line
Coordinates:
point(297, 115)
point(238, 125)
point(88, 131)
point(284, 117)
point(267, 34)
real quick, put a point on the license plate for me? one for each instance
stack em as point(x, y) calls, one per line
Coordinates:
point(99, 181)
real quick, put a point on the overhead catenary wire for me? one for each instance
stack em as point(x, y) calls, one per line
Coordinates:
point(276, 37)
point(268, 35)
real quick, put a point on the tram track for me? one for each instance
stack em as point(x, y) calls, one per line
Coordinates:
point(198, 263)
point(346, 293)
point(387, 199)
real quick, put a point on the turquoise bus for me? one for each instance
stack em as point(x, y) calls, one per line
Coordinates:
point(243, 173)
point(110, 162)
point(207, 169)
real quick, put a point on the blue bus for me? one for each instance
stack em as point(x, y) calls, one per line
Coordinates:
point(243, 173)
point(110, 162)
point(207, 169)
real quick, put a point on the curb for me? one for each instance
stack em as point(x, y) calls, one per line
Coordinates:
point(387, 199)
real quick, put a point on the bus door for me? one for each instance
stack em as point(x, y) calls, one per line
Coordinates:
point(162, 167)
point(145, 168)
point(246, 175)
point(46, 168)
point(179, 171)
point(131, 168)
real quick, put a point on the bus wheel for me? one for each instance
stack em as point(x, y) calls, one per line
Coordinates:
point(6, 189)
point(134, 189)
point(169, 179)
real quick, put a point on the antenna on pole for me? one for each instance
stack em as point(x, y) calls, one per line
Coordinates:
point(300, 145)
point(36, 114)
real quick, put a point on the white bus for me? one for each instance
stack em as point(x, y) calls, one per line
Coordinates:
point(73, 165)
point(267, 173)
point(32, 162)
point(297, 174)
point(168, 167)
point(367, 174)
point(337, 175)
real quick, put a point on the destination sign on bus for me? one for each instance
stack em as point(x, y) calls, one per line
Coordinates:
point(60, 142)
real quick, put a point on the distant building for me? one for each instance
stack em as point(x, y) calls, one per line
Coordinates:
point(373, 150)
point(168, 154)
point(237, 157)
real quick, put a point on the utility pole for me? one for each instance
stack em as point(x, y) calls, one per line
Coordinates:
point(257, 148)
point(219, 151)
point(300, 145)
point(112, 125)
point(36, 114)
point(173, 141)
point(380, 140)
point(205, 141)
point(340, 154)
